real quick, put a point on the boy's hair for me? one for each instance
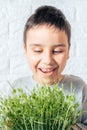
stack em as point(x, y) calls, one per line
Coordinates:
point(51, 16)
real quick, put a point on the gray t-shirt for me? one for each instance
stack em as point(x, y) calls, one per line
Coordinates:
point(80, 87)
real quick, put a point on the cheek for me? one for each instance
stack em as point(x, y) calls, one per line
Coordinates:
point(62, 60)
point(32, 60)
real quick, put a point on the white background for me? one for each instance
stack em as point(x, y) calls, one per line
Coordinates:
point(13, 15)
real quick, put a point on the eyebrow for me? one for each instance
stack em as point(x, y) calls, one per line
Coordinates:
point(34, 44)
point(59, 45)
point(55, 45)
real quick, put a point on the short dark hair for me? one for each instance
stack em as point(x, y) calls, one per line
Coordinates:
point(51, 16)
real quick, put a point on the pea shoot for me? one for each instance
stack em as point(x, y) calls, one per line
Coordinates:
point(46, 108)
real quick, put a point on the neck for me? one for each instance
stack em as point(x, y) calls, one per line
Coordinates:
point(49, 81)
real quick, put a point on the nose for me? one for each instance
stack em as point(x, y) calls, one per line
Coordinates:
point(47, 58)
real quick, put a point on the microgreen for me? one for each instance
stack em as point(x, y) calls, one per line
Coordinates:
point(46, 108)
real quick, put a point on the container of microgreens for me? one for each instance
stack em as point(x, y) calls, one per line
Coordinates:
point(46, 108)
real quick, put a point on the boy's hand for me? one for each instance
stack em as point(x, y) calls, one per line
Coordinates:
point(76, 128)
point(79, 126)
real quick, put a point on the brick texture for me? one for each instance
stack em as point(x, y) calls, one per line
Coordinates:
point(13, 15)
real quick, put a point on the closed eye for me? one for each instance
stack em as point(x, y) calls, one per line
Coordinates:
point(37, 51)
point(56, 52)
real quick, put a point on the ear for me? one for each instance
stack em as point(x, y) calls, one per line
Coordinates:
point(25, 49)
point(68, 55)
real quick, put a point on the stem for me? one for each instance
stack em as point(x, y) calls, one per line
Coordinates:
point(59, 124)
point(64, 125)
point(25, 123)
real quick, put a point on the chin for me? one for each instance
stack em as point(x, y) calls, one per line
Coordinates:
point(47, 81)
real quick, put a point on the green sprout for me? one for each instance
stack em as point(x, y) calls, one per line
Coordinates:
point(46, 108)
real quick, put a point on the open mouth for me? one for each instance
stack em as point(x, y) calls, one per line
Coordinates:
point(47, 71)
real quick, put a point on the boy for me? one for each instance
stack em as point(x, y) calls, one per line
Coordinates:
point(46, 44)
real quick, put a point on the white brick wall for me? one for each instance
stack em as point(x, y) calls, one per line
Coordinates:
point(13, 15)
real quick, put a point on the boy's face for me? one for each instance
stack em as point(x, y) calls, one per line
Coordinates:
point(47, 51)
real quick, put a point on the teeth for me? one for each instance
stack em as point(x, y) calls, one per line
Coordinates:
point(46, 70)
